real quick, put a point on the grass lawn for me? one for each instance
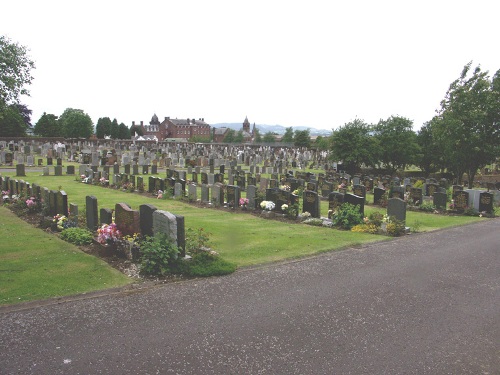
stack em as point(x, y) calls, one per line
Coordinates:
point(239, 237)
point(37, 265)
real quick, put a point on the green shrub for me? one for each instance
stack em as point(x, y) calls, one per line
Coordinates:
point(204, 264)
point(347, 216)
point(158, 254)
point(376, 218)
point(77, 236)
point(395, 227)
point(427, 207)
point(196, 240)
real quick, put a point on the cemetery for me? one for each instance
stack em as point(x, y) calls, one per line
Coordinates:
point(121, 193)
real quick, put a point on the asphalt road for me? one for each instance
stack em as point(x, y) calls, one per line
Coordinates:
point(423, 304)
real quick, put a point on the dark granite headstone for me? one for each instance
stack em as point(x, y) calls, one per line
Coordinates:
point(486, 202)
point(311, 203)
point(91, 212)
point(439, 200)
point(62, 203)
point(396, 207)
point(378, 193)
point(461, 200)
point(146, 219)
point(356, 200)
point(106, 216)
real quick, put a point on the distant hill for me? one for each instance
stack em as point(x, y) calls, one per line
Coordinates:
point(278, 129)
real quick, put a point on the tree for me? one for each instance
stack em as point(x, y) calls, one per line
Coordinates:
point(15, 71)
point(429, 157)
point(48, 126)
point(25, 113)
point(302, 138)
point(468, 123)
point(322, 143)
point(229, 137)
point(238, 137)
point(257, 137)
point(76, 124)
point(269, 137)
point(397, 142)
point(11, 122)
point(103, 127)
point(114, 130)
point(288, 136)
point(353, 145)
point(123, 131)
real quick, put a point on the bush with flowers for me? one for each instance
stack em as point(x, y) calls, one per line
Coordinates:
point(5, 196)
point(33, 205)
point(59, 221)
point(267, 205)
point(243, 203)
point(108, 234)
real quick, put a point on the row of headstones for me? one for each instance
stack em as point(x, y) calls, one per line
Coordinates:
point(115, 169)
point(148, 221)
point(56, 200)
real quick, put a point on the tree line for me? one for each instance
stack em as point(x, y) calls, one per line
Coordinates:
point(462, 138)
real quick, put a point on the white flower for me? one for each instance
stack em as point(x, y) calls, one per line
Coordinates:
point(284, 207)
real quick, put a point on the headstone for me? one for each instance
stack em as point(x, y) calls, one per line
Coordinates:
point(378, 193)
point(430, 189)
point(397, 192)
point(20, 170)
point(70, 169)
point(146, 219)
point(127, 220)
point(62, 203)
point(416, 196)
point(165, 223)
point(233, 196)
point(205, 194)
point(91, 212)
point(251, 194)
point(73, 212)
point(106, 216)
point(58, 170)
point(461, 200)
point(356, 200)
point(439, 200)
point(311, 203)
point(192, 193)
point(335, 200)
point(486, 202)
point(397, 207)
point(359, 190)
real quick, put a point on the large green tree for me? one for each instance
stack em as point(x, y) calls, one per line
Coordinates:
point(114, 130)
point(397, 142)
point(353, 145)
point(229, 137)
point(103, 127)
point(76, 124)
point(269, 137)
point(11, 122)
point(257, 138)
point(15, 71)
point(468, 124)
point(48, 126)
point(288, 136)
point(302, 138)
point(123, 131)
point(429, 157)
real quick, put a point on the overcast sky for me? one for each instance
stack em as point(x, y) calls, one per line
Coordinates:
point(294, 63)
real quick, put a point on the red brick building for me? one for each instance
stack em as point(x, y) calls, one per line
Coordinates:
point(175, 128)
